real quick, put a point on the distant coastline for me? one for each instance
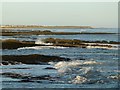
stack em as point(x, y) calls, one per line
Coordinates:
point(50, 27)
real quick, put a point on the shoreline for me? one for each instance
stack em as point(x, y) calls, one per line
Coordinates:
point(47, 32)
point(43, 26)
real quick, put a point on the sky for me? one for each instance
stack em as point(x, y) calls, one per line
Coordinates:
point(96, 14)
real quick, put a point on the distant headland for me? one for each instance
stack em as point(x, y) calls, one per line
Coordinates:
point(43, 26)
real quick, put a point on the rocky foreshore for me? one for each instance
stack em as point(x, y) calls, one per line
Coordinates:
point(30, 59)
point(27, 78)
point(79, 43)
point(45, 32)
point(15, 44)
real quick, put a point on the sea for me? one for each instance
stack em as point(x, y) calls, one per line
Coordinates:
point(93, 67)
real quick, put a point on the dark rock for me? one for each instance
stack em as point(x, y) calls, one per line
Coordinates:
point(8, 63)
point(50, 68)
point(32, 59)
point(14, 44)
point(44, 77)
point(5, 63)
point(14, 75)
point(26, 80)
point(19, 68)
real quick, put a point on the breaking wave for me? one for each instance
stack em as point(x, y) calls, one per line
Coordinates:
point(41, 41)
point(78, 80)
point(64, 66)
point(42, 47)
point(78, 71)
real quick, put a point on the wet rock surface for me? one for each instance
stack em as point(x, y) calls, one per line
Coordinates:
point(31, 59)
point(50, 68)
point(14, 44)
point(9, 62)
point(26, 78)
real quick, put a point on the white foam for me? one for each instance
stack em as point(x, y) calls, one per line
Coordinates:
point(67, 64)
point(91, 62)
point(41, 41)
point(114, 77)
point(4, 39)
point(42, 47)
point(79, 80)
point(105, 46)
point(77, 71)
point(64, 66)
point(74, 63)
point(85, 70)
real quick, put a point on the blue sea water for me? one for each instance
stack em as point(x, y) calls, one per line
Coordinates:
point(110, 30)
point(88, 68)
point(86, 37)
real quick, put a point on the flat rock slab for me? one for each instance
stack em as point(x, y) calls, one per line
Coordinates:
point(33, 59)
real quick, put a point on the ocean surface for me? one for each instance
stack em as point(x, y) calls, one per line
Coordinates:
point(88, 68)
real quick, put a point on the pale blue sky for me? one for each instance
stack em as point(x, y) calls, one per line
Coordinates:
point(97, 14)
